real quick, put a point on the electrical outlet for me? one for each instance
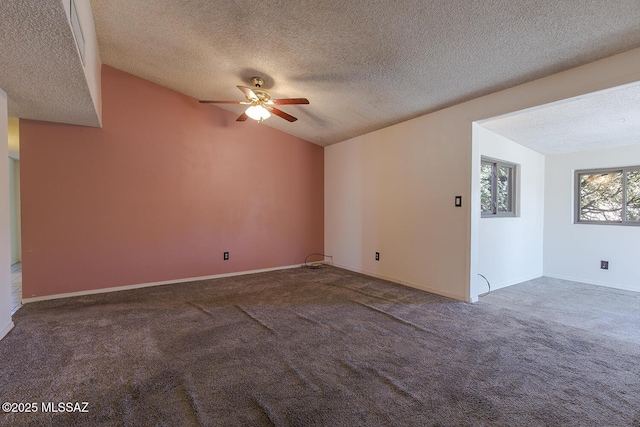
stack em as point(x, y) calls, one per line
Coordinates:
point(604, 265)
point(225, 256)
point(458, 201)
point(377, 256)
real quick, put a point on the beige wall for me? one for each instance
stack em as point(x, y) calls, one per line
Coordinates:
point(14, 207)
point(392, 191)
point(14, 138)
point(14, 189)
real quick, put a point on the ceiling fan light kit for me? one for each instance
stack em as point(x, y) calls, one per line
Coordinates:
point(261, 104)
point(258, 113)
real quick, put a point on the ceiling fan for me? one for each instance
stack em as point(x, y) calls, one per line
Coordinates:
point(261, 104)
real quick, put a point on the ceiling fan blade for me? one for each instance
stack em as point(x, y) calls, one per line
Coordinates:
point(242, 117)
point(290, 101)
point(223, 102)
point(248, 93)
point(282, 114)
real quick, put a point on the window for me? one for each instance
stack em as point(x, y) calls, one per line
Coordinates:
point(497, 188)
point(608, 196)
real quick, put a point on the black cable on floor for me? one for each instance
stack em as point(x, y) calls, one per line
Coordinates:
point(489, 284)
point(315, 265)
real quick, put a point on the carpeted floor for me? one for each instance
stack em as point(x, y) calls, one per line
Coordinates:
point(596, 309)
point(310, 347)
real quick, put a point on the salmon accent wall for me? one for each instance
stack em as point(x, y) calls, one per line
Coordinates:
point(160, 192)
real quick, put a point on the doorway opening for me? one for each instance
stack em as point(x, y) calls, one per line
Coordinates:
point(14, 215)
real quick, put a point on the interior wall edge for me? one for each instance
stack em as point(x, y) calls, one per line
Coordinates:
point(6, 330)
point(5, 239)
point(474, 216)
point(91, 65)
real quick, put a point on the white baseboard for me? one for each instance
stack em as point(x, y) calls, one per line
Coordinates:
point(403, 282)
point(495, 287)
point(146, 285)
point(6, 330)
point(593, 282)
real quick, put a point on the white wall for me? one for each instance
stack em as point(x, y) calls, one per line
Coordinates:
point(5, 271)
point(92, 63)
point(574, 251)
point(510, 248)
point(393, 190)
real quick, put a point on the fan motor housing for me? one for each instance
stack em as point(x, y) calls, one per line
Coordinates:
point(263, 95)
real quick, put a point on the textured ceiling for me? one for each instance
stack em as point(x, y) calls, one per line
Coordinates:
point(40, 68)
point(605, 119)
point(362, 65)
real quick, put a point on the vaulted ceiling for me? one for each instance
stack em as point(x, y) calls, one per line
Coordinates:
point(362, 65)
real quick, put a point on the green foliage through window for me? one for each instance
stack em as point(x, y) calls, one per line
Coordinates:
point(609, 196)
point(497, 188)
point(633, 196)
point(486, 179)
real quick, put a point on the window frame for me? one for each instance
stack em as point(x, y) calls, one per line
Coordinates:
point(513, 188)
point(576, 195)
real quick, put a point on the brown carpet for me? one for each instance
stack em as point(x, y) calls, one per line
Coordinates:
point(310, 347)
